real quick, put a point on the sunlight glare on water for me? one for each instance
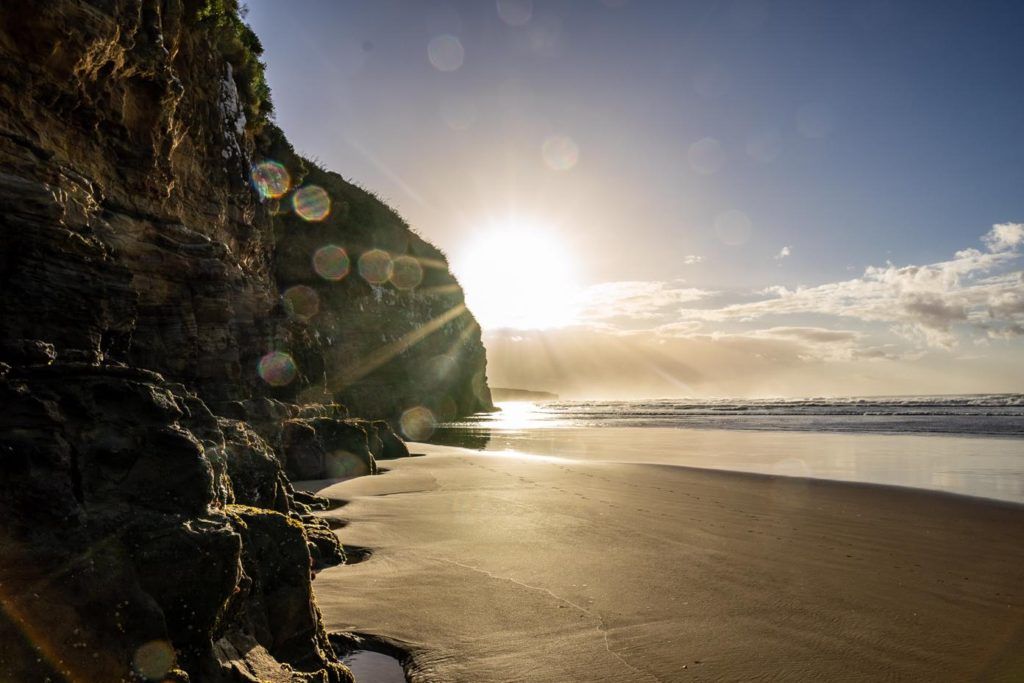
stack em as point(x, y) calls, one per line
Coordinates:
point(965, 445)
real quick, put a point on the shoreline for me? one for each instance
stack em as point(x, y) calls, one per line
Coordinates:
point(504, 568)
point(984, 467)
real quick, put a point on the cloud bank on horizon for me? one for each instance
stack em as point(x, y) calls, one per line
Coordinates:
point(893, 329)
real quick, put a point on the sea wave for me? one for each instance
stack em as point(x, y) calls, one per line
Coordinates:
point(965, 414)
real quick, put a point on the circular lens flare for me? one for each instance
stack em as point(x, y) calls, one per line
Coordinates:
point(277, 369)
point(560, 152)
point(153, 660)
point(440, 368)
point(706, 156)
point(311, 203)
point(733, 227)
point(331, 262)
point(445, 53)
point(376, 266)
point(515, 12)
point(270, 179)
point(459, 113)
point(302, 301)
point(406, 272)
point(418, 423)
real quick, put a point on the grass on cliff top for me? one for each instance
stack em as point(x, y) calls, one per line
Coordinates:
point(241, 47)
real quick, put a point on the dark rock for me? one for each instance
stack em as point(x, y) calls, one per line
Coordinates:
point(324, 548)
point(257, 478)
point(325, 448)
point(279, 604)
point(373, 440)
point(142, 283)
point(392, 445)
point(27, 352)
point(205, 556)
point(311, 501)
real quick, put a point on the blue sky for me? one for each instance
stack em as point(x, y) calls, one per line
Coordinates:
point(704, 137)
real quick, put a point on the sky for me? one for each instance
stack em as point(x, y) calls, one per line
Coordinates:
point(691, 198)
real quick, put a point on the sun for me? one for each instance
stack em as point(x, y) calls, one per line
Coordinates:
point(518, 276)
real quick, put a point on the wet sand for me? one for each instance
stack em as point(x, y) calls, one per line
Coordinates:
point(493, 569)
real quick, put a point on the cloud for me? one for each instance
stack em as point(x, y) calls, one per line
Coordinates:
point(975, 291)
point(583, 362)
point(817, 335)
point(635, 300)
point(1004, 237)
point(783, 253)
point(691, 259)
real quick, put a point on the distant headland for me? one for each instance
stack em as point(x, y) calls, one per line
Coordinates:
point(505, 394)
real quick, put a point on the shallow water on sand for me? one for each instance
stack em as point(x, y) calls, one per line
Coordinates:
point(373, 667)
point(975, 466)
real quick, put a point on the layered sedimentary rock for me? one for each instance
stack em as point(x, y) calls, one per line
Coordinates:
point(171, 349)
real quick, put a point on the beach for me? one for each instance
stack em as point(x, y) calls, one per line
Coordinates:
point(503, 566)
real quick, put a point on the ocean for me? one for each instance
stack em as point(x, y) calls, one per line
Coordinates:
point(972, 414)
point(968, 444)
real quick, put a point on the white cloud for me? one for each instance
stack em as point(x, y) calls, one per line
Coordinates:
point(974, 290)
point(1004, 237)
point(784, 252)
point(583, 362)
point(691, 259)
point(816, 335)
point(635, 300)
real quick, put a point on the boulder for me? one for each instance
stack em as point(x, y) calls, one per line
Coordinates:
point(392, 445)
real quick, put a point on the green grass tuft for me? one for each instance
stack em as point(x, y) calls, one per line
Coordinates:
point(241, 47)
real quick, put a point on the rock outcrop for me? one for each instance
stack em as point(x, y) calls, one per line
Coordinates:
point(189, 313)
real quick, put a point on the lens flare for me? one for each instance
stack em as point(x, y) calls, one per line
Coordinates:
point(706, 156)
point(459, 113)
point(560, 152)
point(277, 369)
point(445, 53)
point(733, 227)
point(446, 409)
point(515, 12)
point(340, 464)
point(331, 262)
point(440, 368)
point(406, 273)
point(270, 179)
point(302, 301)
point(376, 267)
point(417, 423)
point(311, 203)
point(153, 660)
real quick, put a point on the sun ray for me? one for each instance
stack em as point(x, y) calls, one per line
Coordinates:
point(381, 356)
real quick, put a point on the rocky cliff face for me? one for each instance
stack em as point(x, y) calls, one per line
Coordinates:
point(185, 305)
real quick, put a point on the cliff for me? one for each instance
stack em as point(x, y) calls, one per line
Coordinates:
point(505, 394)
point(189, 311)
